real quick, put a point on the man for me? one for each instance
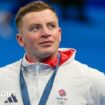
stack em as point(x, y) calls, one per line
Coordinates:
point(47, 74)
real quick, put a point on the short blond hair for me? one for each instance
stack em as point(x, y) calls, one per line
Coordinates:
point(31, 7)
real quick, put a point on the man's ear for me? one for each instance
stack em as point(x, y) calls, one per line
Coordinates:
point(20, 39)
point(60, 34)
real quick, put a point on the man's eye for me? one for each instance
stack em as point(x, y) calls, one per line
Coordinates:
point(51, 26)
point(35, 28)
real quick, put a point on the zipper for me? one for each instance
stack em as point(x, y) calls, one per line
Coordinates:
point(37, 80)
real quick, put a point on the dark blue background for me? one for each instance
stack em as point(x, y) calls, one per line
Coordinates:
point(87, 38)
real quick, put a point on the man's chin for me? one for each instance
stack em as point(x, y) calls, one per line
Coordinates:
point(50, 51)
point(47, 54)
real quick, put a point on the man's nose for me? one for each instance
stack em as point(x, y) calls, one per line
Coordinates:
point(45, 32)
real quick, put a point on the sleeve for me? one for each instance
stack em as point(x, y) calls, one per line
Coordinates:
point(97, 79)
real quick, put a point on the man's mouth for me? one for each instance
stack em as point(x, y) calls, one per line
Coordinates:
point(46, 43)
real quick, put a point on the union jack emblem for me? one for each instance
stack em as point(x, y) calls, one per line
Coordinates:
point(62, 92)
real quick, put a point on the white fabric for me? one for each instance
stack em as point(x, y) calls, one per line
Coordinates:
point(75, 83)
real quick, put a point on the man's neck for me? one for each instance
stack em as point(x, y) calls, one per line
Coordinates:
point(31, 59)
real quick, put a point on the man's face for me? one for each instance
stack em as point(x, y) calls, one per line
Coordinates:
point(40, 34)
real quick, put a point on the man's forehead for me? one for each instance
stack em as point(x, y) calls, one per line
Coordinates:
point(38, 17)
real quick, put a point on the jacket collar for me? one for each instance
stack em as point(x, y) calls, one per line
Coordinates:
point(65, 53)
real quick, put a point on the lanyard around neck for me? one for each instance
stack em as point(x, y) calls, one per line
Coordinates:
point(47, 90)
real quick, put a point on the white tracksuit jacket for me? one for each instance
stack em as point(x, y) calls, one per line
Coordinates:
point(74, 84)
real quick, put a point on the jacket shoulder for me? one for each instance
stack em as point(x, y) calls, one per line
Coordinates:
point(12, 66)
point(95, 77)
point(88, 71)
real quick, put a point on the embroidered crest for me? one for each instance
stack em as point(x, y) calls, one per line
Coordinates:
point(62, 92)
point(61, 99)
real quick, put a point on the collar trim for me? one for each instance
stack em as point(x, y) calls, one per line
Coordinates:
point(65, 55)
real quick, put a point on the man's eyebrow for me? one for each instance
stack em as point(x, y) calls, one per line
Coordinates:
point(52, 22)
point(34, 24)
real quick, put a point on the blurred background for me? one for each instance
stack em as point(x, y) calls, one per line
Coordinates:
point(82, 23)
